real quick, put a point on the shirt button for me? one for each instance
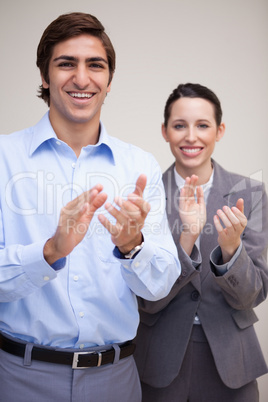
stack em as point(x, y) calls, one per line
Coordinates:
point(81, 314)
point(82, 346)
point(73, 165)
point(76, 278)
point(46, 278)
point(58, 143)
point(137, 264)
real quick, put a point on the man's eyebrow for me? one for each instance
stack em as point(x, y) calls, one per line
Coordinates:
point(72, 58)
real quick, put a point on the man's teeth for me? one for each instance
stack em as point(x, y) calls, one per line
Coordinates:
point(191, 150)
point(80, 95)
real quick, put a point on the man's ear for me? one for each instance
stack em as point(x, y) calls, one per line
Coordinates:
point(44, 83)
point(109, 87)
point(164, 132)
point(220, 132)
point(109, 84)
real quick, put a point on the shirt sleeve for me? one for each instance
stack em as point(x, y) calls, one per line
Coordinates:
point(152, 273)
point(23, 269)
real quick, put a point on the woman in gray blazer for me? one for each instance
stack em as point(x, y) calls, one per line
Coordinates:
point(198, 344)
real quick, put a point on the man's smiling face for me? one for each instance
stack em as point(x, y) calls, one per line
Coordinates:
point(78, 80)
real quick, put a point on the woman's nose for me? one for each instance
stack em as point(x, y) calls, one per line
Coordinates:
point(191, 134)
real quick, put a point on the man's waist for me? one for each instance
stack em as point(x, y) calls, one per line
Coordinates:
point(77, 358)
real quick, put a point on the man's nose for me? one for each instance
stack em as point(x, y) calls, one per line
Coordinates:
point(81, 77)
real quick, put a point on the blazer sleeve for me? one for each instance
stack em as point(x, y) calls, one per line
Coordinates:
point(191, 267)
point(245, 284)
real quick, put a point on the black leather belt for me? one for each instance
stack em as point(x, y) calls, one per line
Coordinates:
point(75, 359)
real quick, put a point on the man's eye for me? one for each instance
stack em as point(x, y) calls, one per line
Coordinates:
point(66, 64)
point(96, 66)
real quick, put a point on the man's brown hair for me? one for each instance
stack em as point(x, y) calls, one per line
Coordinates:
point(64, 27)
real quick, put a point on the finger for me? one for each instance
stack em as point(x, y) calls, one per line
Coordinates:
point(240, 216)
point(112, 229)
point(89, 195)
point(139, 203)
point(235, 216)
point(200, 195)
point(190, 185)
point(127, 207)
point(97, 201)
point(226, 219)
point(129, 212)
point(240, 205)
point(140, 185)
point(77, 203)
point(123, 219)
point(194, 180)
point(188, 188)
point(87, 210)
point(218, 224)
point(76, 207)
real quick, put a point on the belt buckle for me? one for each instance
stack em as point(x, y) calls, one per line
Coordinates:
point(76, 359)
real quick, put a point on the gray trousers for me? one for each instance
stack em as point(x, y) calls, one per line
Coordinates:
point(23, 380)
point(198, 380)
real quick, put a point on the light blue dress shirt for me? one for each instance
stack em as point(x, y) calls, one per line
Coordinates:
point(89, 297)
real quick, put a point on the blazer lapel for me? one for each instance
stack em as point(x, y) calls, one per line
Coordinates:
point(172, 203)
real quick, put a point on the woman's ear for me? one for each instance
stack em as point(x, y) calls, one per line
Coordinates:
point(164, 133)
point(220, 132)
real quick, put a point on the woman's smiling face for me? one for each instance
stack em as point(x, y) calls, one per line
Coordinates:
point(192, 132)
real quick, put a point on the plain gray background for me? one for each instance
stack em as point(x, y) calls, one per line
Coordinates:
point(159, 44)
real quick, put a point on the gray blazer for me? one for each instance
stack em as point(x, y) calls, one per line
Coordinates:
point(223, 303)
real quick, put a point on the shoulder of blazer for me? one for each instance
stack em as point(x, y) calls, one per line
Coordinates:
point(226, 184)
point(231, 184)
point(223, 179)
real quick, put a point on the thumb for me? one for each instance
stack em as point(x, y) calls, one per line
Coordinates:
point(140, 185)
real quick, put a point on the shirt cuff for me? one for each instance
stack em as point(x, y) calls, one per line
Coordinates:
point(35, 266)
point(216, 258)
point(59, 264)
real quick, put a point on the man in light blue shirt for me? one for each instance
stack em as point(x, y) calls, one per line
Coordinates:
point(83, 231)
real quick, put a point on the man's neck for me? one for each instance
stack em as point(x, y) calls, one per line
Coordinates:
point(77, 135)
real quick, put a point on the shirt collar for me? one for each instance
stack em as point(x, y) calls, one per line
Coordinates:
point(43, 131)
point(180, 181)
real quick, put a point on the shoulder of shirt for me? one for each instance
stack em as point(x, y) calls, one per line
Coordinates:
point(122, 149)
point(118, 143)
point(17, 139)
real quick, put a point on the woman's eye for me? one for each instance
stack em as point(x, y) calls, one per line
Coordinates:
point(179, 126)
point(203, 126)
